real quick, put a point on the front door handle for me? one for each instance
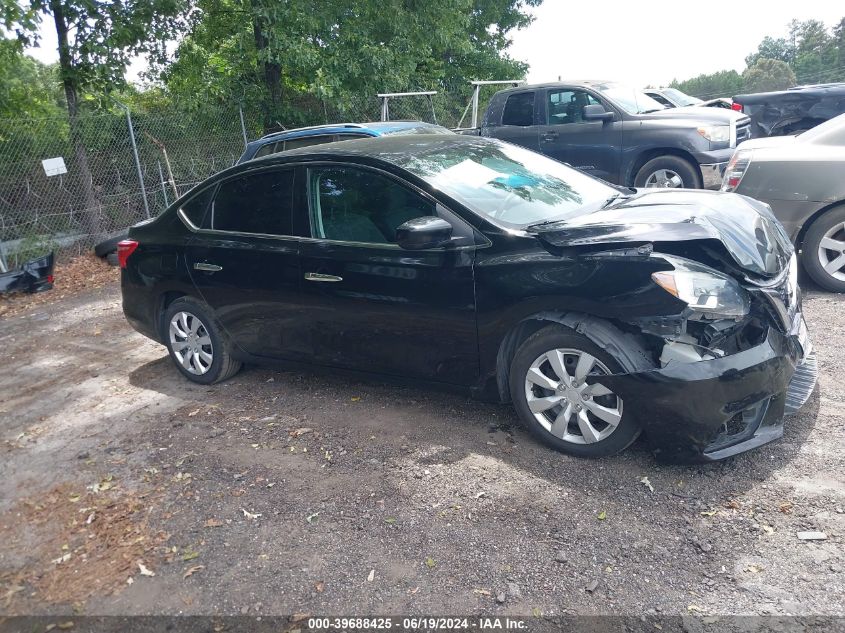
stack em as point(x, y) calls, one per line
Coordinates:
point(550, 136)
point(211, 268)
point(322, 277)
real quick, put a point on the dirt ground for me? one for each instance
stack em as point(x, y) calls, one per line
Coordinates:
point(124, 489)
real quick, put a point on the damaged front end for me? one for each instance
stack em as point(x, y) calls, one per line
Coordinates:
point(35, 275)
point(737, 357)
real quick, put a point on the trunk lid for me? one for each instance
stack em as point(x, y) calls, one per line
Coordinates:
point(746, 229)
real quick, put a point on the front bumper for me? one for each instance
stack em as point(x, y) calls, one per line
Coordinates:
point(711, 174)
point(712, 409)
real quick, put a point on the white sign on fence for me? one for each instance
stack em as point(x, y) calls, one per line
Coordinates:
point(54, 166)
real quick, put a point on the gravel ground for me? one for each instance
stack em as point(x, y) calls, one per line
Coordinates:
point(280, 493)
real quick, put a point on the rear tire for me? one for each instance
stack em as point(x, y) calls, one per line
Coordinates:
point(197, 344)
point(679, 172)
point(579, 431)
point(826, 231)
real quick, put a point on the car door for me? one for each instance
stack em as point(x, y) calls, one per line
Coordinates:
point(244, 262)
point(592, 146)
point(519, 120)
point(372, 305)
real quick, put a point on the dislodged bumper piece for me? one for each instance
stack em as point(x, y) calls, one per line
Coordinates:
point(34, 276)
point(712, 409)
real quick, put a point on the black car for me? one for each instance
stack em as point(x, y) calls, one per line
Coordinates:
point(598, 311)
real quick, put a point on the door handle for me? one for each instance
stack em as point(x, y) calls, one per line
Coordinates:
point(322, 277)
point(211, 268)
point(550, 136)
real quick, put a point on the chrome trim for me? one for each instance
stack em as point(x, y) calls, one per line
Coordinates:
point(211, 268)
point(322, 277)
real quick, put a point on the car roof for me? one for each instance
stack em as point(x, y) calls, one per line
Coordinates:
point(585, 83)
point(376, 128)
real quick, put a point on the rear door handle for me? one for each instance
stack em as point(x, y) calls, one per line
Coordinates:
point(322, 277)
point(211, 268)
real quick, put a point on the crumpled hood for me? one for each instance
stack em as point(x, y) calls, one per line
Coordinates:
point(749, 232)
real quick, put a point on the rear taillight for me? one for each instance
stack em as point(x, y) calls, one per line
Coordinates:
point(736, 106)
point(50, 279)
point(737, 166)
point(124, 249)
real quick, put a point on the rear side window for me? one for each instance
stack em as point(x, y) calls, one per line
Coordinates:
point(308, 141)
point(257, 203)
point(196, 209)
point(519, 109)
point(270, 148)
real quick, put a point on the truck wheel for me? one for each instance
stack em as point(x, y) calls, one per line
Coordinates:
point(823, 250)
point(668, 171)
point(559, 408)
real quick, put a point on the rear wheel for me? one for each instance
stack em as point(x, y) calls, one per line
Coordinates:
point(197, 345)
point(668, 171)
point(823, 250)
point(551, 395)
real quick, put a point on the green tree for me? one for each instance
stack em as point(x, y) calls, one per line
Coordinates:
point(96, 40)
point(28, 88)
point(724, 83)
point(773, 48)
point(766, 75)
point(290, 57)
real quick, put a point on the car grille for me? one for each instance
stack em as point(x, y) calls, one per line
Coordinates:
point(743, 131)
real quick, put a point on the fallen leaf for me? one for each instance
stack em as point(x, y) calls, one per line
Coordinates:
point(212, 523)
point(74, 498)
point(708, 513)
point(753, 569)
point(483, 592)
point(190, 556)
point(371, 575)
point(192, 570)
point(785, 507)
point(390, 520)
point(144, 570)
point(430, 562)
point(536, 612)
point(355, 398)
point(733, 504)
point(602, 515)
point(64, 626)
point(301, 431)
point(193, 413)
point(320, 587)
point(250, 515)
point(645, 482)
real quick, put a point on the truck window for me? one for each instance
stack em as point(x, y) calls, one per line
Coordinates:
point(519, 109)
point(567, 106)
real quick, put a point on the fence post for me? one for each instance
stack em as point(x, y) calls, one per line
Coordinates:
point(137, 160)
point(163, 186)
point(243, 126)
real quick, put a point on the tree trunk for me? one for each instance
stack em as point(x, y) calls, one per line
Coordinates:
point(272, 75)
point(91, 211)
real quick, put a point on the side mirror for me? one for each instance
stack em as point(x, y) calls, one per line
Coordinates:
point(424, 232)
point(596, 112)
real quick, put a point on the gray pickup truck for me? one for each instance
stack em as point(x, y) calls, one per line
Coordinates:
point(618, 133)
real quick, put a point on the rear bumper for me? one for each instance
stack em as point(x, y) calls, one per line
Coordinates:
point(713, 409)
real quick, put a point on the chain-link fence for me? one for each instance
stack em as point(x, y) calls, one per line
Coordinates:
point(122, 166)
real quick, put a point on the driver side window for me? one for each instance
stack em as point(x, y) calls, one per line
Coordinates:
point(357, 205)
point(567, 106)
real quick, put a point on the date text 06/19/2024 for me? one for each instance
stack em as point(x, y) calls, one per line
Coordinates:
point(416, 623)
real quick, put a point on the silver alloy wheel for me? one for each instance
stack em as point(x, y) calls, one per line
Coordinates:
point(564, 404)
point(664, 178)
point(191, 343)
point(832, 251)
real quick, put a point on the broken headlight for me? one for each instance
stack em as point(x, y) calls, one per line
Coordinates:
point(705, 290)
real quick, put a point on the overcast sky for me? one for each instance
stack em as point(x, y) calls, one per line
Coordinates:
point(644, 43)
point(641, 43)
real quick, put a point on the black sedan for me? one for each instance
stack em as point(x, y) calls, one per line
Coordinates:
point(600, 312)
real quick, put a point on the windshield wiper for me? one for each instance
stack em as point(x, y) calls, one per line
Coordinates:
point(650, 111)
point(614, 198)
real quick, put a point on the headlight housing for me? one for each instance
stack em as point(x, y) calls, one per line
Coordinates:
point(703, 289)
point(716, 133)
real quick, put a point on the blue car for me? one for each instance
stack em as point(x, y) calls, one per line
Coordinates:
point(319, 134)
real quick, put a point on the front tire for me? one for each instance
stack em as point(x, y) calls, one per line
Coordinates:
point(668, 171)
point(549, 393)
point(823, 250)
point(197, 344)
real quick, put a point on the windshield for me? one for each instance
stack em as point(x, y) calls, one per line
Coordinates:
point(631, 100)
point(509, 184)
point(680, 98)
point(831, 132)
